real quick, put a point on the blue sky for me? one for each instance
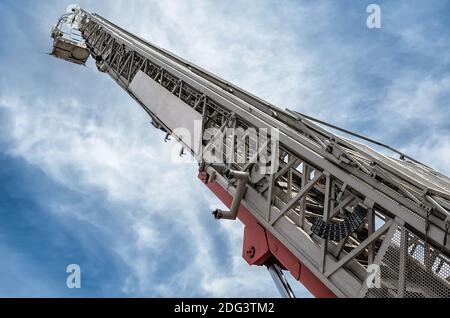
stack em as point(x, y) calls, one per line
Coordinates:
point(85, 179)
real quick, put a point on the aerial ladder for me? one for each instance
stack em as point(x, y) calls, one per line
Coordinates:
point(343, 219)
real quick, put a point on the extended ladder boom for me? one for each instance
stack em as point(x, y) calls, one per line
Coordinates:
point(328, 209)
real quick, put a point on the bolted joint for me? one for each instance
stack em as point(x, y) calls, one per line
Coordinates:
point(101, 65)
point(251, 252)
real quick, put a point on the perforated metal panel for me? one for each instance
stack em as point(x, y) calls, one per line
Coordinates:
point(413, 269)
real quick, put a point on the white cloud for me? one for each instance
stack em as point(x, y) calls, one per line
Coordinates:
point(415, 109)
point(414, 96)
point(434, 150)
